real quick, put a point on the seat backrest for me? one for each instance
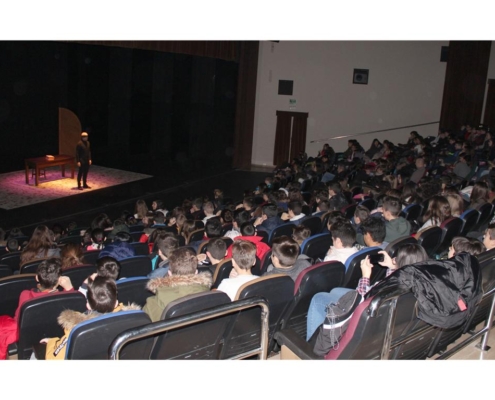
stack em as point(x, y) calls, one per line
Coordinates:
point(265, 262)
point(321, 277)
point(76, 239)
point(353, 268)
point(136, 236)
point(317, 246)
point(313, 223)
point(90, 257)
point(451, 228)
point(135, 266)
point(141, 249)
point(470, 218)
point(393, 247)
point(133, 290)
point(196, 235)
point(203, 247)
point(10, 290)
point(31, 266)
point(38, 319)
point(78, 274)
point(370, 204)
point(412, 212)
point(264, 235)
point(430, 239)
point(194, 302)
point(13, 260)
point(91, 339)
point(486, 211)
point(5, 270)
point(285, 229)
point(349, 210)
point(222, 272)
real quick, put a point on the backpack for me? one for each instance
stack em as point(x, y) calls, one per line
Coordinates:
point(336, 322)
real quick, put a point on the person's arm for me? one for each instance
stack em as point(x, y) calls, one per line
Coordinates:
point(89, 154)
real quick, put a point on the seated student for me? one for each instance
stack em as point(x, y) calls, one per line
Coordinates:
point(165, 244)
point(344, 237)
point(294, 212)
point(243, 259)
point(333, 217)
point(49, 279)
point(102, 299)
point(407, 254)
point(374, 232)
point(213, 229)
point(196, 212)
point(240, 216)
point(336, 197)
point(489, 237)
point(395, 225)
point(269, 219)
point(438, 211)
point(286, 258)
point(300, 233)
point(248, 232)
point(322, 207)
point(120, 248)
point(97, 239)
point(216, 252)
point(209, 210)
point(468, 245)
point(119, 225)
point(182, 279)
point(106, 267)
point(361, 214)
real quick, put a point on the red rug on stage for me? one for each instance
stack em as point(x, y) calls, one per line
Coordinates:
point(16, 193)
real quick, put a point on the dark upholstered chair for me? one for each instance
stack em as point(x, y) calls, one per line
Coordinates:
point(141, 249)
point(317, 246)
point(133, 290)
point(135, 266)
point(222, 272)
point(430, 239)
point(412, 212)
point(353, 268)
point(91, 339)
point(13, 260)
point(393, 247)
point(470, 218)
point(451, 228)
point(313, 223)
point(78, 274)
point(38, 320)
point(10, 290)
point(285, 229)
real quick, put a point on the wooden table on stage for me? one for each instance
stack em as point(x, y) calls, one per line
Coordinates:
point(41, 162)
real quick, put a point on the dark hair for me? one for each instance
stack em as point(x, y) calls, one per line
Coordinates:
point(286, 250)
point(362, 213)
point(217, 248)
point(167, 244)
point(438, 210)
point(102, 294)
point(301, 233)
point(335, 187)
point(241, 216)
point(244, 254)
point(248, 229)
point(159, 204)
point(270, 210)
point(469, 245)
point(392, 204)
point(345, 232)
point(107, 267)
point(249, 201)
point(183, 261)
point(226, 215)
point(98, 237)
point(480, 193)
point(123, 237)
point(491, 231)
point(295, 206)
point(101, 221)
point(324, 205)
point(213, 227)
point(376, 228)
point(41, 241)
point(410, 253)
point(71, 255)
point(335, 216)
point(48, 273)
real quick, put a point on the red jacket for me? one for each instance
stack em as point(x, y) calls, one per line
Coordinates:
point(261, 248)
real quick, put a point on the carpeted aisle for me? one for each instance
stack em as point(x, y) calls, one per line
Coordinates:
point(16, 193)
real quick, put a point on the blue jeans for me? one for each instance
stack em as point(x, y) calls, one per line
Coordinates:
point(317, 309)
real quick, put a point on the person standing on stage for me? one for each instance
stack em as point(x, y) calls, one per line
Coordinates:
point(83, 159)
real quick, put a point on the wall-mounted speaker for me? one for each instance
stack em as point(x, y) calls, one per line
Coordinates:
point(360, 76)
point(285, 87)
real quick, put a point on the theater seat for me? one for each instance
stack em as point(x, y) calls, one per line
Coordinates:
point(353, 268)
point(78, 274)
point(430, 239)
point(10, 290)
point(135, 266)
point(133, 290)
point(317, 246)
point(393, 247)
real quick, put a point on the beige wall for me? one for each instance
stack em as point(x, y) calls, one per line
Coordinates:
point(405, 88)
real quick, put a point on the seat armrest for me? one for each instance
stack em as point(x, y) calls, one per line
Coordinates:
point(296, 344)
point(12, 349)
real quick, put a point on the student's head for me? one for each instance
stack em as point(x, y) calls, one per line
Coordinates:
point(196, 204)
point(226, 216)
point(71, 255)
point(456, 204)
point(123, 237)
point(300, 234)
point(107, 267)
point(361, 214)
point(216, 248)
point(480, 192)
point(374, 231)
point(323, 205)
point(295, 206)
point(286, 250)
point(248, 229)
point(13, 245)
point(334, 188)
point(102, 294)
point(489, 237)
point(469, 245)
point(333, 217)
point(244, 254)
point(188, 226)
point(98, 236)
point(166, 245)
point(248, 203)
point(410, 253)
point(183, 261)
point(159, 218)
point(438, 210)
point(213, 228)
point(391, 208)
point(48, 273)
point(241, 216)
point(157, 205)
point(270, 210)
point(420, 162)
point(208, 208)
point(141, 209)
point(343, 234)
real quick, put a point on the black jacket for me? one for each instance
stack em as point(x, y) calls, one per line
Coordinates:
point(439, 286)
point(83, 152)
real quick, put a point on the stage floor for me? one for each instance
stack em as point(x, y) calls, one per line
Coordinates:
point(16, 193)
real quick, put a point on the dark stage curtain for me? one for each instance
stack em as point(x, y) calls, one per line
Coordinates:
point(465, 83)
